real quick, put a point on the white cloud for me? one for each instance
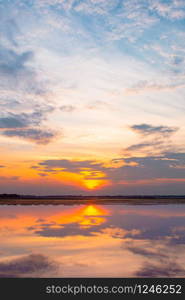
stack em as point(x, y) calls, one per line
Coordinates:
point(172, 9)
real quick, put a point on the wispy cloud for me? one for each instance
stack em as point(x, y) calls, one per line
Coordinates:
point(141, 146)
point(163, 269)
point(159, 256)
point(12, 63)
point(15, 72)
point(167, 165)
point(11, 120)
point(163, 166)
point(147, 129)
point(18, 76)
point(67, 108)
point(70, 165)
point(27, 266)
point(144, 86)
point(172, 9)
point(156, 139)
point(27, 126)
point(9, 177)
point(89, 169)
point(39, 136)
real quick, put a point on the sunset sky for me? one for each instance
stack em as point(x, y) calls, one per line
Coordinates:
point(92, 97)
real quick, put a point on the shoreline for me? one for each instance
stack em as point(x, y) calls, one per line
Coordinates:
point(93, 200)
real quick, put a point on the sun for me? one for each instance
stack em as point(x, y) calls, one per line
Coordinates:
point(92, 184)
point(93, 179)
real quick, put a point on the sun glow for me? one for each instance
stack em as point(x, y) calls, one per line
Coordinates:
point(92, 184)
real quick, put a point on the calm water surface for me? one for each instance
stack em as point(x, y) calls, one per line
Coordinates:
point(92, 241)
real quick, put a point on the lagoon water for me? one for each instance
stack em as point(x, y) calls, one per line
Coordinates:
point(92, 240)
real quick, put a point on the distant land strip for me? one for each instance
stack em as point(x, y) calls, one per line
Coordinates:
point(16, 199)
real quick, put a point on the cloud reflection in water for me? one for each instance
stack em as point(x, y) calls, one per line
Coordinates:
point(93, 240)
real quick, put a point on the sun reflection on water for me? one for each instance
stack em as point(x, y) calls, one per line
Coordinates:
point(92, 240)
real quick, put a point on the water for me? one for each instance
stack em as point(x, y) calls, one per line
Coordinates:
point(92, 241)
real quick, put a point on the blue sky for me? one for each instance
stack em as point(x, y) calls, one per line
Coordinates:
point(87, 84)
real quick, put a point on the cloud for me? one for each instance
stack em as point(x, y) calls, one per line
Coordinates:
point(168, 165)
point(93, 7)
point(152, 186)
point(9, 30)
point(67, 108)
point(111, 20)
point(17, 69)
point(160, 258)
point(146, 252)
point(156, 139)
point(74, 229)
point(18, 125)
point(12, 63)
point(9, 178)
point(20, 81)
point(12, 120)
point(32, 265)
point(164, 269)
point(88, 7)
point(70, 166)
point(86, 225)
point(147, 129)
point(156, 146)
point(38, 136)
point(42, 174)
point(177, 60)
point(164, 166)
point(141, 146)
point(1, 166)
point(16, 72)
point(170, 10)
point(145, 86)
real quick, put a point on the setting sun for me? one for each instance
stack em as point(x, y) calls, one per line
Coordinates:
point(92, 184)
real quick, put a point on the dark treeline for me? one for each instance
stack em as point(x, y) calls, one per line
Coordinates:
point(17, 196)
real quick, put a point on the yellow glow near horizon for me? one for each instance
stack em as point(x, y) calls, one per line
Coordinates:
point(92, 184)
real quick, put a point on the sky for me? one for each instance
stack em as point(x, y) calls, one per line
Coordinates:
point(92, 97)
